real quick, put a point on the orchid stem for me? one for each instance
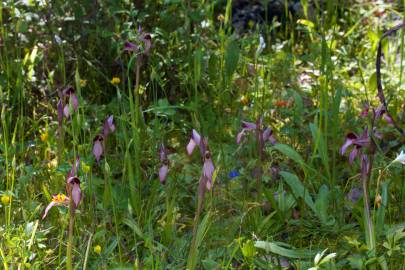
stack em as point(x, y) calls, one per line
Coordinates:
point(70, 233)
point(191, 262)
point(369, 225)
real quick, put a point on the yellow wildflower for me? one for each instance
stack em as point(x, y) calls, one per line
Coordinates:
point(85, 168)
point(83, 83)
point(221, 18)
point(115, 80)
point(97, 249)
point(5, 199)
point(244, 100)
point(60, 198)
point(44, 136)
point(53, 163)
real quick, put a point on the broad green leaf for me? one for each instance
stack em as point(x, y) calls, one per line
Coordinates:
point(298, 189)
point(282, 251)
point(290, 153)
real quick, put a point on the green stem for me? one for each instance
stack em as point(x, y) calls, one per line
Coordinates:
point(365, 178)
point(70, 232)
point(192, 256)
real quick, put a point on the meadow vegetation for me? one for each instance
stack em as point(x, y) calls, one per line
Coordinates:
point(158, 135)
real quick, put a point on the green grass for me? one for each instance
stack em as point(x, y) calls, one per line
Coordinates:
point(288, 202)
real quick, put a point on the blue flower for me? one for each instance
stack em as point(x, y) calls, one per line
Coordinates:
point(233, 174)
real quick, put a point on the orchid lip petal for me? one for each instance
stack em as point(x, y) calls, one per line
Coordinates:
point(97, 150)
point(190, 147)
point(163, 171)
point(130, 47)
point(272, 139)
point(208, 169)
point(76, 194)
point(50, 205)
point(347, 143)
point(66, 111)
point(67, 91)
point(248, 125)
point(194, 141)
point(108, 126)
point(240, 136)
point(196, 136)
point(389, 119)
point(353, 155)
point(268, 135)
point(75, 102)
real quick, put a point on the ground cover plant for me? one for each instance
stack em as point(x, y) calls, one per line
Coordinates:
point(202, 134)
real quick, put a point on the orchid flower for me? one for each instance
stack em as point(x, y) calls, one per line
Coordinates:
point(98, 141)
point(208, 166)
point(72, 187)
point(164, 169)
point(357, 141)
point(74, 183)
point(130, 47)
point(146, 38)
point(108, 126)
point(98, 148)
point(381, 111)
point(265, 135)
point(69, 93)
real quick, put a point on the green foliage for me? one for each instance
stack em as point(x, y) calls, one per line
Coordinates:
point(291, 206)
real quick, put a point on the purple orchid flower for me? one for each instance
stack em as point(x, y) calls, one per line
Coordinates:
point(164, 169)
point(208, 166)
point(358, 141)
point(69, 93)
point(98, 148)
point(130, 47)
point(145, 38)
point(381, 111)
point(109, 126)
point(76, 192)
point(264, 135)
point(72, 188)
point(99, 140)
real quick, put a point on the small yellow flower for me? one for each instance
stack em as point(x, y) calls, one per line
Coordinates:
point(83, 83)
point(244, 100)
point(44, 136)
point(60, 198)
point(5, 199)
point(97, 249)
point(115, 80)
point(221, 18)
point(85, 167)
point(53, 163)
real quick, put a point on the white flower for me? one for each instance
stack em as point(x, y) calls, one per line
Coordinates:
point(400, 158)
point(261, 47)
point(205, 24)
